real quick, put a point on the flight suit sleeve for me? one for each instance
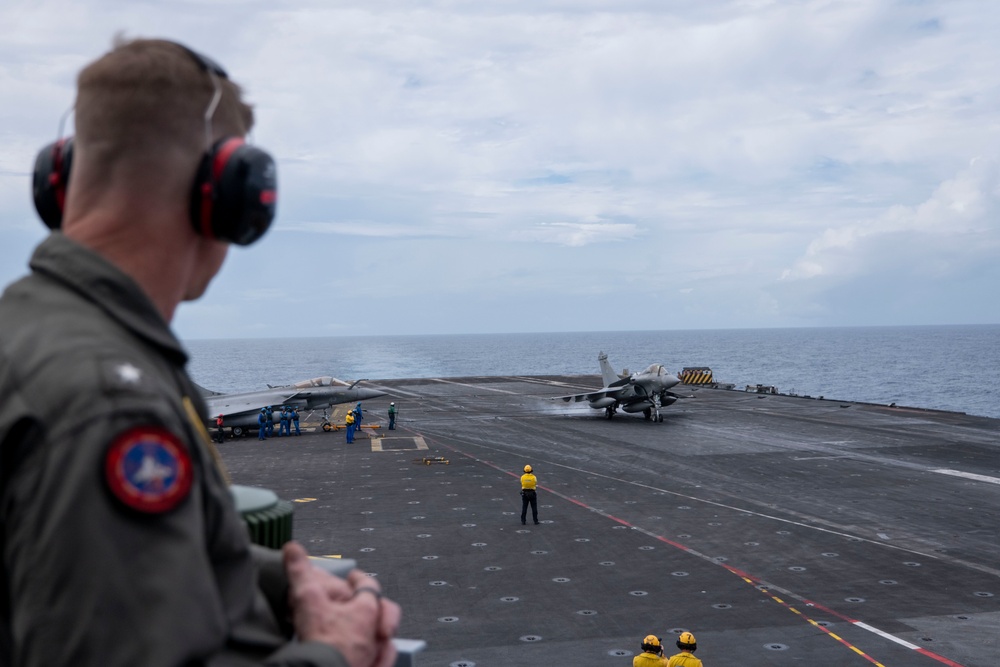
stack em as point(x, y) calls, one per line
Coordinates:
point(273, 583)
point(96, 581)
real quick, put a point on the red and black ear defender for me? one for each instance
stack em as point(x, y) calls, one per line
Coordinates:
point(50, 180)
point(233, 198)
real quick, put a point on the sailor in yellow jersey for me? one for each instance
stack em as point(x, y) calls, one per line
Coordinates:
point(349, 423)
point(688, 645)
point(652, 653)
point(529, 495)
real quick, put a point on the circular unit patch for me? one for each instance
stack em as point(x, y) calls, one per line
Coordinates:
point(148, 469)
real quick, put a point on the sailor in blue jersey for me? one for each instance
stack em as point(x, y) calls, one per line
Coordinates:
point(262, 425)
point(295, 420)
point(285, 419)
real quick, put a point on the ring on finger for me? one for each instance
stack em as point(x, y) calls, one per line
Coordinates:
point(369, 589)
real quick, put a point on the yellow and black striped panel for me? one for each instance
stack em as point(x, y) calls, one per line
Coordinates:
point(696, 376)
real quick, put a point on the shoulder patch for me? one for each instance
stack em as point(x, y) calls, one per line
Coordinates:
point(148, 469)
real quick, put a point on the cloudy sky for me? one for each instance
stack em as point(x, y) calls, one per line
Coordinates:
point(533, 165)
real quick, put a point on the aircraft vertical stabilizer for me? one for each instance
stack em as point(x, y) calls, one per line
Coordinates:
point(608, 374)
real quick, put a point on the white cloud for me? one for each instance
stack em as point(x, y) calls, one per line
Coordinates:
point(578, 234)
point(687, 154)
point(959, 222)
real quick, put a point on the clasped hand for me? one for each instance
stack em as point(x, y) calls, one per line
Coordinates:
point(336, 611)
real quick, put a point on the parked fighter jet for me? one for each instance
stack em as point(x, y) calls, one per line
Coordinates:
point(644, 392)
point(239, 411)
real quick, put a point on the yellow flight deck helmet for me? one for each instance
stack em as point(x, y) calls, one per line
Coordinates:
point(651, 644)
point(687, 642)
point(527, 468)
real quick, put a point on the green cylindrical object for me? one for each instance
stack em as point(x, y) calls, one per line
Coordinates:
point(268, 519)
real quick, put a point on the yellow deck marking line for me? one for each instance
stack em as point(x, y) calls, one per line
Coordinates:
point(820, 627)
point(303, 500)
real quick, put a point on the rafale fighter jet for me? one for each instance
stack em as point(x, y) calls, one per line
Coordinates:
point(239, 411)
point(644, 392)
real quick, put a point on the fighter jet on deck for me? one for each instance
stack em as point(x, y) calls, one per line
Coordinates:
point(239, 411)
point(644, 392)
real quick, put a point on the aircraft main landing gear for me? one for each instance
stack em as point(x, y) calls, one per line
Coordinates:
point(609, 412)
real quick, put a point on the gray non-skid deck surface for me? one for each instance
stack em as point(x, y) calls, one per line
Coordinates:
point(780, 530)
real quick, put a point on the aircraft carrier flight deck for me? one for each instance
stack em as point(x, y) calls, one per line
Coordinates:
point(779, 530)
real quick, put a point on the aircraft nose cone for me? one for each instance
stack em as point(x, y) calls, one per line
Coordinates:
point(365, 394)
point(673, 380)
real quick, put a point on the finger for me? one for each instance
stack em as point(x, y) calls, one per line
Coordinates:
point(386, 655)
point(306, 581)
point(357, 579)
point(367, 589)
point(389, 617)
point(297, 563)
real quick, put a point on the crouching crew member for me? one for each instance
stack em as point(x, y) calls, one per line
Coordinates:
point(652, 653)
point(529, 495)
point(687, 644)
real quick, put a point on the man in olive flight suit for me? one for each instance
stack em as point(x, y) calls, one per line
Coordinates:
point(120, 542)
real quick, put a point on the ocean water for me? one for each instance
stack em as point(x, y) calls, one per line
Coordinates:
point(941, 367)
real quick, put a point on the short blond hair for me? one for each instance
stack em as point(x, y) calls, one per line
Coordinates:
point(150, 95)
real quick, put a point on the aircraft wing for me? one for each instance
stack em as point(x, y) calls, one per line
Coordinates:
point(591, 396)
point(230, 406)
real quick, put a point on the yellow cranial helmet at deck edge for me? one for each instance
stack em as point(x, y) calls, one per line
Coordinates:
point(527, 468)
point(651, 640)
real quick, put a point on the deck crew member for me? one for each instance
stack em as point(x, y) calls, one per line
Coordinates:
point(652, 653)
point(262, 425)
point(392, 416)
point(349, 423)
point(285, 427)
point(220, 435)
point(121, 545)
point(358, 416)
point(295, 420)
point(687, 644)
point(270, 422)
point(529, 495)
